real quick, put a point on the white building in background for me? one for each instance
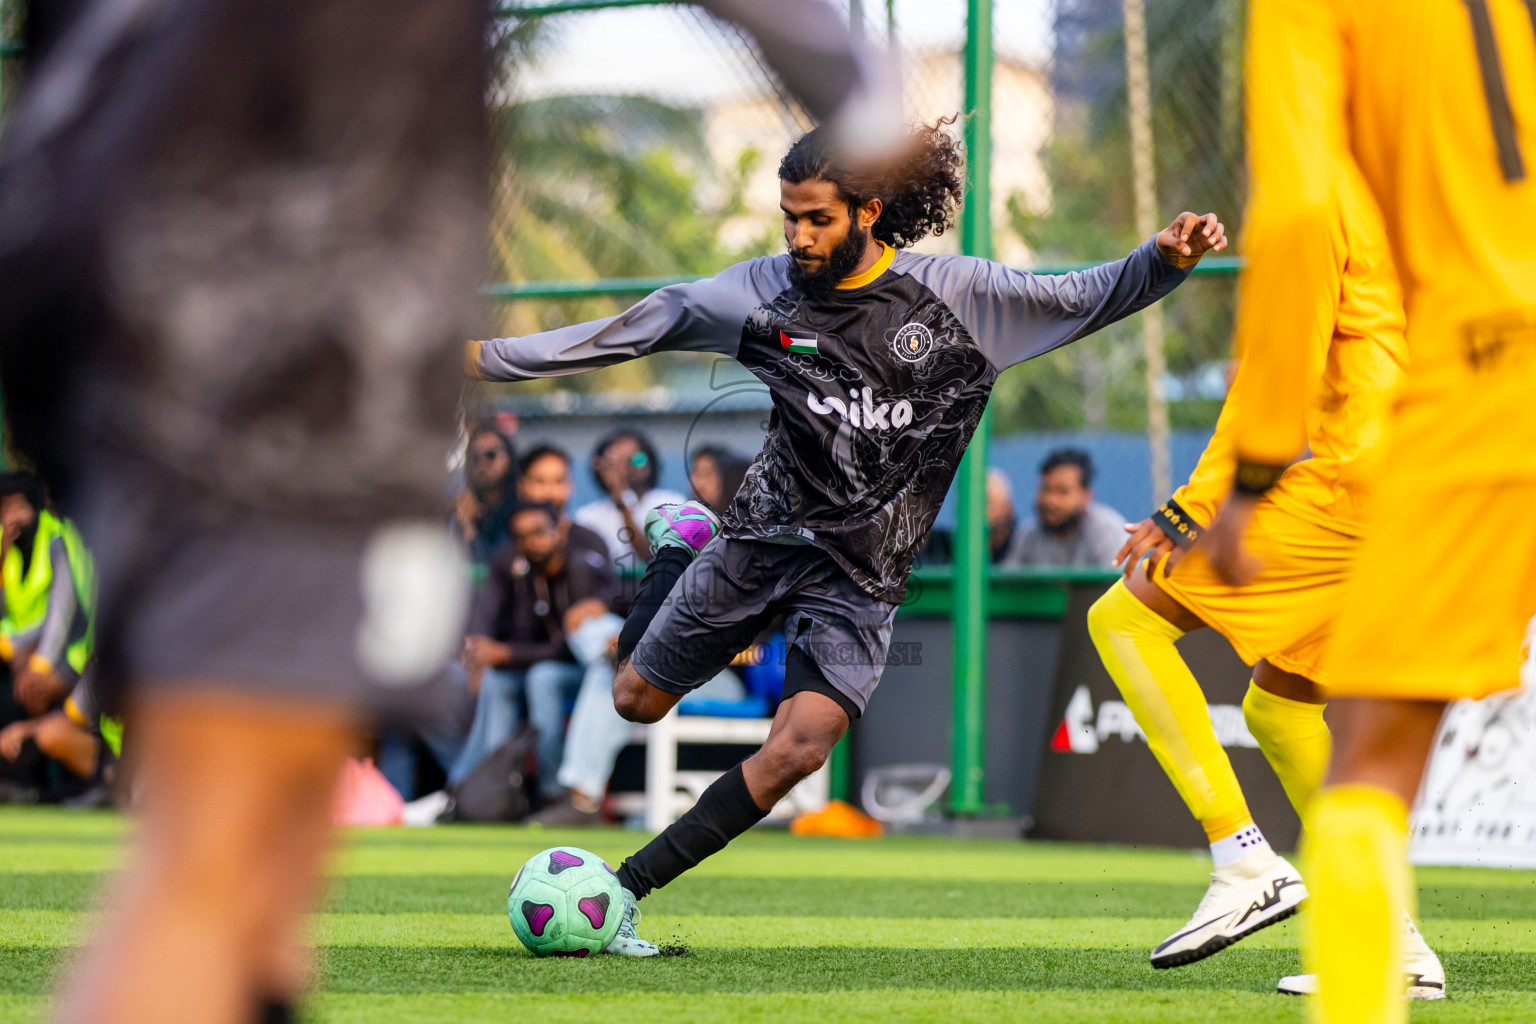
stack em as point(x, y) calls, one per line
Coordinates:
point(1021, 126)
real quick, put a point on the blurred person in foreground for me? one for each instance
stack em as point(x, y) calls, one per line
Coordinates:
point(1308, 528)
point(1338, 87)
point(625, 467)
point(880, 362)
point(1070, 528)
point(482, 508)
point(238, 241)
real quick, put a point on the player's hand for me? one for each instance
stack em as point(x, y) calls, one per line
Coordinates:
point(483, 652)
point(1191, 236)
point(13, 736)
point(38, 691)
point(1223, 542)
point(467, 513)
point(1146, 538)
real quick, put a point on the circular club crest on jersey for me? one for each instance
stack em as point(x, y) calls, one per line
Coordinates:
point(912, 342)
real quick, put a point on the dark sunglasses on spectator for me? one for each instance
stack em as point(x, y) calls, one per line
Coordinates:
point(486, 455)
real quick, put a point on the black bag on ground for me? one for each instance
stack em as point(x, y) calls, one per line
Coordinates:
point(497, 788)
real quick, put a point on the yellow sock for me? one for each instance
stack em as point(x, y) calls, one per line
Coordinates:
point(1295, 741)
point(1136, 645)
point(1358, 878)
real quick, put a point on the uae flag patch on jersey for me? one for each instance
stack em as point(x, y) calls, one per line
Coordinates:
point(803, 343)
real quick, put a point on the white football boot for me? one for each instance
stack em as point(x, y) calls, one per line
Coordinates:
point(626, 942)
point(1423, 976)
point(1254, 892)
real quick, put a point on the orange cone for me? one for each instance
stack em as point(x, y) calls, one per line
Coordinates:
point(839, 819)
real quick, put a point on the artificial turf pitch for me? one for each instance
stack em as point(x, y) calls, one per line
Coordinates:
point(778, 929)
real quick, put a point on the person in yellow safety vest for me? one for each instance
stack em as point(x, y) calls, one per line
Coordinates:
point(49, 586)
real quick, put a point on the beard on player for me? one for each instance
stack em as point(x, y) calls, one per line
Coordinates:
point(819, 275)
point(895, 202)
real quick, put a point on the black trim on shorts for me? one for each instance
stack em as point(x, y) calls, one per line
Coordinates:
point(802, 674)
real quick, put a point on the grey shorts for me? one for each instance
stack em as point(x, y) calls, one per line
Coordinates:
point(735, 588)
point(361, 616)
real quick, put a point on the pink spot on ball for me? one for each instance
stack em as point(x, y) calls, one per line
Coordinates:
point(574, 952)
point(594, 908)
point(559, 860)
point(537, 915)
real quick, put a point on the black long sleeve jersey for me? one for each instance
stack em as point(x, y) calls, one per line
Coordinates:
point(877, 387)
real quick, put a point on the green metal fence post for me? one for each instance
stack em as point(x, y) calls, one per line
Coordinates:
point(968, 796)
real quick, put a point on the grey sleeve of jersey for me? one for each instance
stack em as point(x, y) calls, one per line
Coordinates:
point(54, 632)
point(702, 316)
point(1014, 315)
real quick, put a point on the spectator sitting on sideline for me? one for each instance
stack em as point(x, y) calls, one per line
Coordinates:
point(77, 736)
point(1070, 529)
point(625, 466)
point(45, 633)
point(543, 619)
point(544, 478)
point(716, 475)
point(481, 510)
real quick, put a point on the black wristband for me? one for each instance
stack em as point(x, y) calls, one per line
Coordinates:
point(1177, 524)
point(1255, 478)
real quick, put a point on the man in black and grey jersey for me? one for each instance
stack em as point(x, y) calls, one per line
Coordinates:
point(239, 247)
point(879, 362)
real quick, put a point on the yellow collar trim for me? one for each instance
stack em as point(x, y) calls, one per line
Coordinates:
point(882, 264)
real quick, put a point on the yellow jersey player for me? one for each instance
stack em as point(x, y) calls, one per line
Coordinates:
point(1435, 100)
point(1307, 529)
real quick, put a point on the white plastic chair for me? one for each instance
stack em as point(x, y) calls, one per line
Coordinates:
point(669, 792)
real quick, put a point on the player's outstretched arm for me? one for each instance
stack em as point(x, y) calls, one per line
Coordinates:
point(1015, 315)
point(700, 316)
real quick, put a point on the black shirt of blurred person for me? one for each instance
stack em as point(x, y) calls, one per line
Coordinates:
point(715, 475)
point(518, 618)
point(483, 508)
point(1002, 526)
point(1071, 529)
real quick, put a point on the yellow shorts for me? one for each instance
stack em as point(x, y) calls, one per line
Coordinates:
point(1442, 593)
point(1285, 615)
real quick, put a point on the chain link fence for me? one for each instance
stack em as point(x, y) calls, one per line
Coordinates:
point(643, 141)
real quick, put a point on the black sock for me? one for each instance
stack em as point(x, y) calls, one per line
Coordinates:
point(275, 1011)
point(660, 575)
point(724, 811)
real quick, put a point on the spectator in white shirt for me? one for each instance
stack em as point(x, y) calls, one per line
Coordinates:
point(626, 468)
point(1070, 529)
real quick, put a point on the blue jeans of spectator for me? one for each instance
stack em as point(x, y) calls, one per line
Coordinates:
point(492, 722)
point(549, 685)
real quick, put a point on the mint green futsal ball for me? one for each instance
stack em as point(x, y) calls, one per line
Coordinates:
point(565, 902)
